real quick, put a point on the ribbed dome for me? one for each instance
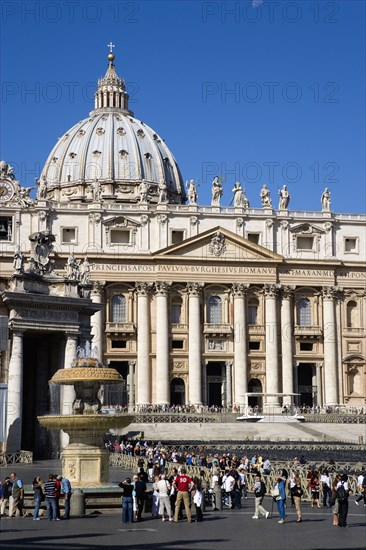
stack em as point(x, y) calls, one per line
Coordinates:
point(107, 155)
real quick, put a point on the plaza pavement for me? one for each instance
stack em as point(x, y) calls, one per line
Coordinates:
point(226, 530)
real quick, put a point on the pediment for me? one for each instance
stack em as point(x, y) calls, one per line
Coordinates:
point(219, 244)
point(120, 221)
point(307, 229)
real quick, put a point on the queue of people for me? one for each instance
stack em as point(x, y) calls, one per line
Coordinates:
point(49, 492)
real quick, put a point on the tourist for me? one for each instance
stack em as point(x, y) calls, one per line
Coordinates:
point(163, 487)
point(259, 490)
point(38, 496)
point(17, 495)
point(342, 497)
point(216, 489)
point(155, 498)
point(6, 498)
point(58, 494)
point(361, 487)
point(334, 501)
point(173, 492)
point(198, 498)
point(50, 493)
point(297, 493)
point(314, 485)
point(134, 499)
point(140, 488)
point(127, 501)
point(267, 467)
point(66, 491)
point(279, 494)
point(184, 485)
point(325, 484)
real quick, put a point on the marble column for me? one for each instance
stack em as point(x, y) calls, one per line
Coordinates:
point(97, 325)
point(319, 385)
point(240, 373)
point(229, 400)
point(15, 394)
point(143, 344)
point(330, 346)
point(162, 385)
point(272, 378)
point(286, 341)
point(67, 393)
point(194, 355)
point(131, 386)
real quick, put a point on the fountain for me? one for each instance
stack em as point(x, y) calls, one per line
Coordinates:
point(85, 461)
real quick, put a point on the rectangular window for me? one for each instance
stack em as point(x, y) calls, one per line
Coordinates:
point(177, 344)
point(119, 344)
point(255, 346)
point(253, 237)
point(305, 243)
point(306, 346)
point(6, 228)
point(69, 235)
point(120, 237)
point(252, 315)
point(176, 313)
point(350, 244)
point(177, 236)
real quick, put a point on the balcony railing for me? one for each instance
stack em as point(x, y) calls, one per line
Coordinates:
point(307, 331)
point(217, 328)
point(120, 328)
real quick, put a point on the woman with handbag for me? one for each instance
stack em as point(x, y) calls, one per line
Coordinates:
point(279, 494)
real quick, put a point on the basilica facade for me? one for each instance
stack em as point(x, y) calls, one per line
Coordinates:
point(192, 304)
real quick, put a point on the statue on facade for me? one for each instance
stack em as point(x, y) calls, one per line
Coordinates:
point(192, 193)
point(265, 196)
point(163, 193)
point(42, 188)
point(6, 171)
point(217, 191)
point(85, 272)
point(325, 200)
point(23, 196)
point(240, 199)
point(284, 198)
point(43, 246)
point(73, 268)
point(143, 191)
point(18, 261)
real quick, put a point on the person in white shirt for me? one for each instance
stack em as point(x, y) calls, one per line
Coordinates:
point(163, 487)
point(361, 487)
point(325, 485)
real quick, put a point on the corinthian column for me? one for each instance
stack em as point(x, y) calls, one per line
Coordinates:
point(228, 365)
point(97, 326)
point(162, 344)
point(272, 382)
point(194, 333)
point(67, 392)
point(286, 340)
point(15, 394)
point(131, 385)
point(143, 344)
point(330, 346)
point(240, 385)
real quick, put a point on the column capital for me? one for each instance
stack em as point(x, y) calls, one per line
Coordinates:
point(143, 288)
point(229, 363)
point(329, 292)
point(194, 289)
point(287, 292)
point(239, 290)
point(271, 291)
point(72, 336)
point(132, 363)
point(162, 288)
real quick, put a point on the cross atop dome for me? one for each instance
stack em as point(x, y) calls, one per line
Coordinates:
point(111, 92)
point(111, 55)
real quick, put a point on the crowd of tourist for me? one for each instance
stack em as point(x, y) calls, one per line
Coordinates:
point(56, 487)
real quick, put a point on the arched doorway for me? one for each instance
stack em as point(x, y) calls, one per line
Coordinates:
point(255, 386)
point(177, 392)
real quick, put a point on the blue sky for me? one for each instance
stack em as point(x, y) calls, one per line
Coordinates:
point(269, 94)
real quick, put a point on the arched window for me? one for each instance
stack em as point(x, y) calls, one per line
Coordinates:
point(253, 311)
point(304, 312)
point(118, 309)
point(214, 310)
point(176, 310)
point(352, 320)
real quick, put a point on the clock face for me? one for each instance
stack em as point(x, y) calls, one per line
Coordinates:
point(6, 191)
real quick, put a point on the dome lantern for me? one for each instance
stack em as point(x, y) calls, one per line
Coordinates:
point(111, 92)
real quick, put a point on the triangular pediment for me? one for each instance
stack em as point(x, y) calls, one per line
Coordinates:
point(306, 229)
point(219, 244)
point(120, 221)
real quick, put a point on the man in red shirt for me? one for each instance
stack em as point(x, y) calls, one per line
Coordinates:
point(184, 485)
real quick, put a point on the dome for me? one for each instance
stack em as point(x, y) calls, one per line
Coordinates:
point(109, 154)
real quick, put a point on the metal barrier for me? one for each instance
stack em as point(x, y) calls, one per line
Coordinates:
point(21, 457)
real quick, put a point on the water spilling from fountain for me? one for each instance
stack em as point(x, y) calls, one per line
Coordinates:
point(85, 461)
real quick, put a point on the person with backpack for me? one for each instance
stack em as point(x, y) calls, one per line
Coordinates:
point(342, 494)
point(259, 490)
point(296, 494)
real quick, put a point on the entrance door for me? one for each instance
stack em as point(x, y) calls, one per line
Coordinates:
point(177, 392)
point(306, 376)
point(116, 394)
point(255, 386)
point(215, 383)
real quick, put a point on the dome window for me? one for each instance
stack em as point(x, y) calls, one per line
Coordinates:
point(97, 153)
point(123, 153)
point(121, 131)
point(118, 117)
point(148, 156)
point(100, 131)
point(54, 159)
point(81, 133)
point(66, 137)
point(156, 137)
point(141, 133)
point(72, 155)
